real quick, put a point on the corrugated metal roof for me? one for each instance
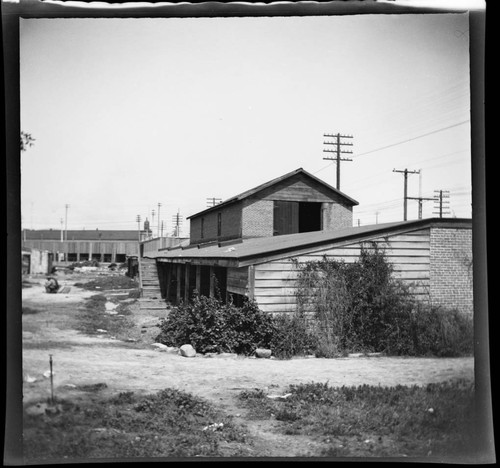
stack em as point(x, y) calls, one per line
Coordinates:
point(254, 248)
point(270, 183)
point(82, 235)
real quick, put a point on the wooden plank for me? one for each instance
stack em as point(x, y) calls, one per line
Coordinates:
point(212, 281)
point(235, 290)
point(251, 282)
point(275, 292)
point(280, 274)
point(277, 308)
point(186, 282)
point(272, 283)
point(414, 275)
point(237, 283)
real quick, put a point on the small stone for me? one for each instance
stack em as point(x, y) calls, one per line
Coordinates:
point(159, 345)
point(47, 374)
point(263, 353)
point(100, 330)
point(187, 351)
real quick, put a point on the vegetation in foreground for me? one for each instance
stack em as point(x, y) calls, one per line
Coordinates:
point(170, 423)
point(342, 308)
point(432, 421)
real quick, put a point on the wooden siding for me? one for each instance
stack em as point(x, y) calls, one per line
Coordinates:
point(299, 188)
point(275, 281)
point(237, 280)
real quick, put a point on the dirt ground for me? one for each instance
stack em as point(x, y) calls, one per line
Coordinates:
point(136, 365)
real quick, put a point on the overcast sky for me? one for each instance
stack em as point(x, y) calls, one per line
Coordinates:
point(129, 113)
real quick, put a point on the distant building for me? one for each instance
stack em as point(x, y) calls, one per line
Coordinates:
point(35, 261)
point(80, 245)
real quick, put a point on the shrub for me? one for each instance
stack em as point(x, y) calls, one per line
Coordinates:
point(361, 307)
point(292, 336)
point(209, 325)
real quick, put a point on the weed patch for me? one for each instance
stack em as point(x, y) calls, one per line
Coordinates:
point(109, 282)
point(170, 423)
point(30, 311)
point(435, 420)
point(93, 318)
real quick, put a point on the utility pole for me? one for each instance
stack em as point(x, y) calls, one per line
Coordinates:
point(177, 222)
point(405, 196)
point(61, 229)
point(66, 222)
point(213, 201)
point(441, 197)
point(138, 219)
point(158, 231)
point(338, 143)
point(376, 216)
point(420, 199)
point(152, 219)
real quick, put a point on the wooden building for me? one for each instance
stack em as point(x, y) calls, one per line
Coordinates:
point(433, 256)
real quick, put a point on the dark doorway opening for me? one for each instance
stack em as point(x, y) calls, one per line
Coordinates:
point(292, 217)
point(309, 216)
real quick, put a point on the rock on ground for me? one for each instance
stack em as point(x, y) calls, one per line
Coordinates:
point(187, 351)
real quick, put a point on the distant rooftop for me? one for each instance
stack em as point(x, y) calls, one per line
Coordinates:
point(82, 235)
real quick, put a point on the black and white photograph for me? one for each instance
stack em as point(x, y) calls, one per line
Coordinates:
point(248, 236)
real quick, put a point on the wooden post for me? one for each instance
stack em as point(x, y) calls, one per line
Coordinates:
point(169, 280)
point(198, 278)
point(186, 282)
point(179, 276)
point(251, 282)
point(212, 281)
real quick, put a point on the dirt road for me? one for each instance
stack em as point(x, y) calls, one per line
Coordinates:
point(123, 366)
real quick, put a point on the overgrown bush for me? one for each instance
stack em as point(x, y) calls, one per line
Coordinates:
point(293, 336)
point(362, 307)
point(209, 325)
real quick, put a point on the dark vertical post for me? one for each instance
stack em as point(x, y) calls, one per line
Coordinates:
point(405, 208)
point(179, 277)
point(186, 282)
point(198, 278)
point(212, 281)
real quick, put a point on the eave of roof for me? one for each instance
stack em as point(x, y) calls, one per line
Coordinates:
point(250, 250)
point(270, 183)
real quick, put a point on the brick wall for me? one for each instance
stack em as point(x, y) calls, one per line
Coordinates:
point(257, 218)
point(230, 225)
point(336, 216)
point(451, 268)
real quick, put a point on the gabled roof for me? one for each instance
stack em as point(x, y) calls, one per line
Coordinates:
point(252, 250)
point(270, 183)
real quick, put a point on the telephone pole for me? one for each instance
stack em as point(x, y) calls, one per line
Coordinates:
point(441, 197)
point(61, 230)
point(213, 201)
point(158, 230)
point(420, 199)
point(138, 219)
point(66, 222)
point(338, 151)
point(176, 219)
point(405, 196)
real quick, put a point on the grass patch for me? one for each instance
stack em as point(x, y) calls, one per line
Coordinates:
point(93, 318)
point(109, 282)
point(170, 423)
point(435, 420)
point(47, 345)
point(30, 310)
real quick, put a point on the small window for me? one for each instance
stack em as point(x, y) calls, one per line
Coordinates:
point(219, 224)
point(202, 228)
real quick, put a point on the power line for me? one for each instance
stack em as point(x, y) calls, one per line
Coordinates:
point(414, 138)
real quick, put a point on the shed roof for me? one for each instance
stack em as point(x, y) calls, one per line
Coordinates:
point(272, 182)
point(253, 250)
